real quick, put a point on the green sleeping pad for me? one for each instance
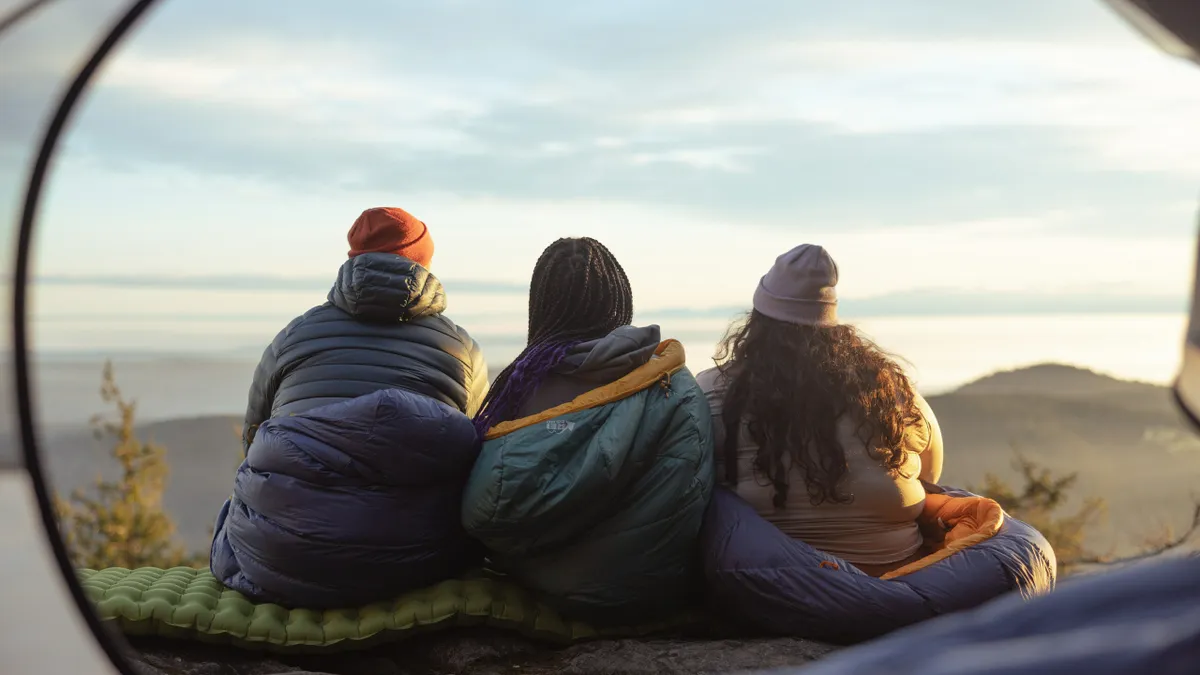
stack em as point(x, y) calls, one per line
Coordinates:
point(187, 603)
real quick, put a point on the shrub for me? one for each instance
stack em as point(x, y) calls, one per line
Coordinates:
point(121, 523)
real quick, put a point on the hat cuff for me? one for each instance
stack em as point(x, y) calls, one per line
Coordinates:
point(798, 311)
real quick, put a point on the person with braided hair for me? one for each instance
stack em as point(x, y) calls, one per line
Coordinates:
point(579, 294)
point(597, 460)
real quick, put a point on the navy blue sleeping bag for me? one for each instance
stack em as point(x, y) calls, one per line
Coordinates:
point(1144, 619)
point(759, 577)
point(349, 503)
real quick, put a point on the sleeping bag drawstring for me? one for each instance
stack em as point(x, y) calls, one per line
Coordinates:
point(665, 383)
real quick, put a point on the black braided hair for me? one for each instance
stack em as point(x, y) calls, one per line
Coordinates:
point(578, 292)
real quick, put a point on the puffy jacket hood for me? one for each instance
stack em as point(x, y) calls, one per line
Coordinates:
point(591, 365)
point(384, 287)
point(381, 328)
point(613, 356)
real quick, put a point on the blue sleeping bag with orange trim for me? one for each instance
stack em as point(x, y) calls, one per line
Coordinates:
point(1143, 619)
point(762, 578)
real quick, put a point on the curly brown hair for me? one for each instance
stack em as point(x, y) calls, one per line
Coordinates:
point(792, 383)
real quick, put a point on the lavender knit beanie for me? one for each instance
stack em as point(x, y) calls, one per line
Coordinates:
point(800, 288)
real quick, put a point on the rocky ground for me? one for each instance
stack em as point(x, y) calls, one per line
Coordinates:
point(487, 653)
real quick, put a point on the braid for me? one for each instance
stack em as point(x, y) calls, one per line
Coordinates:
point(520, 379)
point(578, 292)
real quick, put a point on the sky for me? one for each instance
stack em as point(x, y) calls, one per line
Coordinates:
point(957, 159)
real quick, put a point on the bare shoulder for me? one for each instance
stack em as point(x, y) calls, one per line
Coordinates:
point(921, 435)
point(924, 409)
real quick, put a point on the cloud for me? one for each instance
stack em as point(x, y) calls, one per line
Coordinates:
point(227, 137)
point(720, 159)
point(248, 283)
point(168, 224)
point(1126, 106)
point(430, 36)
point(984, 159)
point(795, 116)
point(336, 92)
point(915, 302)
point(951, 302)
point(784, 172)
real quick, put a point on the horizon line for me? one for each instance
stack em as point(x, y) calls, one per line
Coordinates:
point(248, 283)
point(956, 388)
point(882, 307)
point(914, 302)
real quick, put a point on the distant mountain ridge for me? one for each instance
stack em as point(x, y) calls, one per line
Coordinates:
point(1126, 439)
point(1055, 379)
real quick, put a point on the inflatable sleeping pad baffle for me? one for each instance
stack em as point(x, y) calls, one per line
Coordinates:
point(190, 604)
point(349, 503)
point(760, 577)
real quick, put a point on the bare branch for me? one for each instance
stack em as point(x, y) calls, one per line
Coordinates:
point(1153, 551)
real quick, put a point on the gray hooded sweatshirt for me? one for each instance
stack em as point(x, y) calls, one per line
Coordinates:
point(593, 364)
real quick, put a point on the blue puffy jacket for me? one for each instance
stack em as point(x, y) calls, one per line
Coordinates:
point(761, 577)
point(349, 503)
point(382, 328)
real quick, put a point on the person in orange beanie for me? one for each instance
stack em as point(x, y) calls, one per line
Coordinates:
point(388, 229)
point(358, 437)
point(382, 327)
